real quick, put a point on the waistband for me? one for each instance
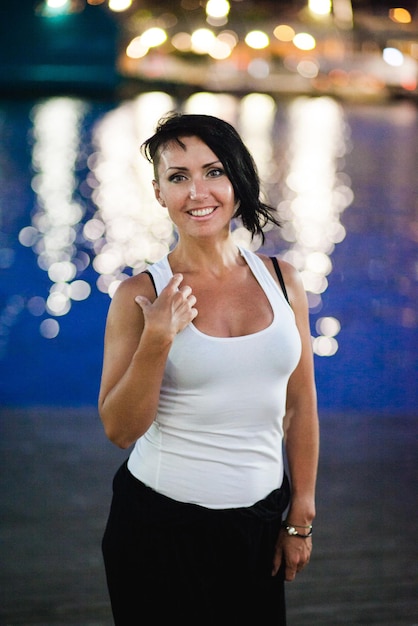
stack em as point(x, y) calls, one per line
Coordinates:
point(156, 506)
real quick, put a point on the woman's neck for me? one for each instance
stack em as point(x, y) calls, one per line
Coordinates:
point(201, 256)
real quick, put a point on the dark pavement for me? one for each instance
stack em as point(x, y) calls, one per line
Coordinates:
point(56, 472)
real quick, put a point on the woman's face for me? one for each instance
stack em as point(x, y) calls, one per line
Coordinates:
point(194, 187)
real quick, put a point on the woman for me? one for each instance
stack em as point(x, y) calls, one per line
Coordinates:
point(207, 370)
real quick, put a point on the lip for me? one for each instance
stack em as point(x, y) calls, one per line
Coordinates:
point(202, 212)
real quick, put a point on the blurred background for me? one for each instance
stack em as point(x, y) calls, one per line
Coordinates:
point(325, 95)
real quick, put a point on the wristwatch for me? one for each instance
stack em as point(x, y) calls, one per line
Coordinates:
point(292, 532)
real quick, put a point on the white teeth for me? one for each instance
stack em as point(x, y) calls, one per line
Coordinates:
point(201, 212)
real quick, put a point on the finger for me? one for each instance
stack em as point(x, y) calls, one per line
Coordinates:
point(291, 569)
point(176, 280)
point(184, 297)
point(142, 302)
point(290, 574)
point(186, 291)
point(277, 561)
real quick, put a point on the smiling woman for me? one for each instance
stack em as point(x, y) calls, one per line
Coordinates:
point(349, 226)
point(207, 370)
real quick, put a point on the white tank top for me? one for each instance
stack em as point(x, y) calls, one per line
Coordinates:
point(217, 437)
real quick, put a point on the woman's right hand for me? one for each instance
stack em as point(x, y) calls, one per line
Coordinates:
point(172, 311)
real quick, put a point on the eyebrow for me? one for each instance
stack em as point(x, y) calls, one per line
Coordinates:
point(185, 169)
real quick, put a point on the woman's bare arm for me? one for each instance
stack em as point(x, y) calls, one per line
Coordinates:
point(140, 330)
point(301, 434)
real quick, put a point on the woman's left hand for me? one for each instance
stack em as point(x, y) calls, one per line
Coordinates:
point(294, 551)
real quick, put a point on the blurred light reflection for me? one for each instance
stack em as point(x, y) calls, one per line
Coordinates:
point(52, 235)
point(127, 229)
point(130, 229)
point(317, 193)
point(49, 328)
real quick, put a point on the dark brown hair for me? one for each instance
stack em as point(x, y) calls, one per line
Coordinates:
point(225, 142)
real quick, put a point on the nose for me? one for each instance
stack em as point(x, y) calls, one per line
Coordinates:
point(197, 190)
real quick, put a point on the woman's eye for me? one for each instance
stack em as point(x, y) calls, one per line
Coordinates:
point(216, 172)
point(176, 178)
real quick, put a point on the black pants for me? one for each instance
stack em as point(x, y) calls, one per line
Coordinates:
point(165, 559)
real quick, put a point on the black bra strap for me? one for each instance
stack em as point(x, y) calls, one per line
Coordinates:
point(276, 267)
point(152, 280)
point(280, 276)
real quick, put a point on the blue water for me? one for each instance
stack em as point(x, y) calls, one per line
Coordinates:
point(372, 288)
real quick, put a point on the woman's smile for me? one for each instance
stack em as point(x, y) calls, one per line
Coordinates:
point(202, 212)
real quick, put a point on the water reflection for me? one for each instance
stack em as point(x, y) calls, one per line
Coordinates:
point(125, 229)
point(129, 229)
point(316, 192)
point(55, 223)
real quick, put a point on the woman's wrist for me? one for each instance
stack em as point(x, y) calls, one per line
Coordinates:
point(302, 511)
point(297, 530)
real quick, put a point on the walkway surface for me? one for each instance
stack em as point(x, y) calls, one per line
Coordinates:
point(56, 468)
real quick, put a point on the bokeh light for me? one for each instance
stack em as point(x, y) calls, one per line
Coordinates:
point(128, 229)
point(55, 223)
point(317, 193)
point(257, 39)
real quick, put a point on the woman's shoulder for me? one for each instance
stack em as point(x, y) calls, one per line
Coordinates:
point(146, 282)
point(287, 269)
point(291, 276)
point(137, 285)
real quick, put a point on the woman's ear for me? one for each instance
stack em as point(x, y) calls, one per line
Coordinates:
point(158, 193)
